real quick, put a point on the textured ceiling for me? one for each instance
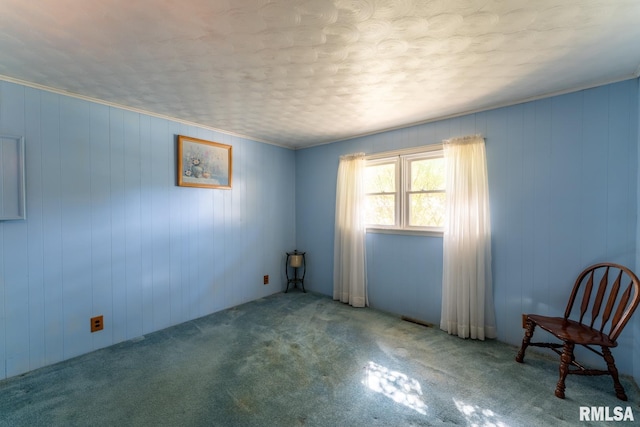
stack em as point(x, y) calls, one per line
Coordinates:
point(299, 73)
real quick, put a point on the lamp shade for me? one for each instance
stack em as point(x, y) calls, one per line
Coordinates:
point(295, 261)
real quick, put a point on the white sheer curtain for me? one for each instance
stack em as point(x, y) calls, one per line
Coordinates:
point(467, 295)
point(349, 276)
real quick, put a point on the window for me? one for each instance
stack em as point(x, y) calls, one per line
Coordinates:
point(381, 188)
point(406, 191)
point(425, 191)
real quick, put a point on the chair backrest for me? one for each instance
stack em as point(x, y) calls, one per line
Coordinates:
point(617, 294)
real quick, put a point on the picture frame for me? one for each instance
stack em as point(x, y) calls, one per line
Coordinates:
point(204, 164)
point(12, 178)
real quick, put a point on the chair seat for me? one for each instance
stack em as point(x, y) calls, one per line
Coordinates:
point(607, 294)
point(570, 330)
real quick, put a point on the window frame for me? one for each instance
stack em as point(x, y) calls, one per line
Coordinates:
point(397, 192)
point(402, 160)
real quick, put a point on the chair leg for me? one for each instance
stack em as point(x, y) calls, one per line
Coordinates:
point(565, 361)
point(526, 340)
point(613, 371)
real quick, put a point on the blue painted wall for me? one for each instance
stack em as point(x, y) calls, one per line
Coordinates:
point(108, 231)
point(636, 340)
point(563, 175)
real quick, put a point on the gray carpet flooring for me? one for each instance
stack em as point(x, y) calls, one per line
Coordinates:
point(303, 360)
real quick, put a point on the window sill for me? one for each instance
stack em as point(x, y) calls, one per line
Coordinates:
point(406, 232)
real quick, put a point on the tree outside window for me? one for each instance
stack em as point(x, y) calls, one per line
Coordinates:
point(406, 192)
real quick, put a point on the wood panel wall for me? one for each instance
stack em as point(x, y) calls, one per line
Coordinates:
point(563, 194)
point(109, 233)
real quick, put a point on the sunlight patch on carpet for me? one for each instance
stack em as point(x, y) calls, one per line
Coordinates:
point(395, 385)
point(477, 416)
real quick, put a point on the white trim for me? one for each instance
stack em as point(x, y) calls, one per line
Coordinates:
point(401, 159)
point(136, 110)
point(13, 179)
point(423, 149)
point(634, 75)
point(405, 232)
point(406, 183)
point(397, 191)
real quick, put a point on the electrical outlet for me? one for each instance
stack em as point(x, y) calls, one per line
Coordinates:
point(266, 279)
point(97, 323)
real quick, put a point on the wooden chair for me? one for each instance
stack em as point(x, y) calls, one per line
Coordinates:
point(592, 330)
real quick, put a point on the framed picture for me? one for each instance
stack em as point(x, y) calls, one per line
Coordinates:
point(203, 163)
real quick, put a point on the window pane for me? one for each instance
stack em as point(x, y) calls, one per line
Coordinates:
point(380, 209)
point(426, 210)
point(380, 178)
point(427, 174)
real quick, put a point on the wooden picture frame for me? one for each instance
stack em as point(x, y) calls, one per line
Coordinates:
point(204, 164)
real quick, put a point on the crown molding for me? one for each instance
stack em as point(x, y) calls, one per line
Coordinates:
point(486, 108)
point(135, 110)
